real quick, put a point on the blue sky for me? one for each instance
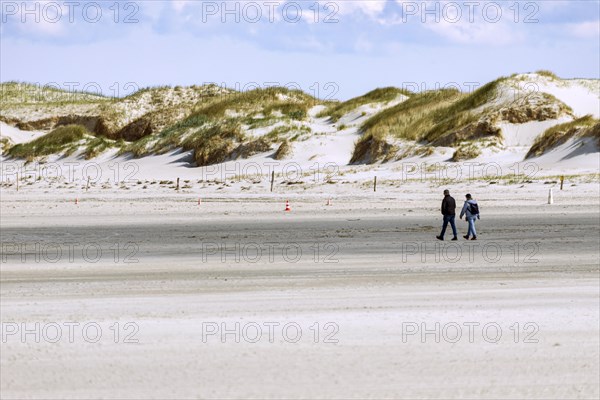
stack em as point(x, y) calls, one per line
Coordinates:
point(345, 49)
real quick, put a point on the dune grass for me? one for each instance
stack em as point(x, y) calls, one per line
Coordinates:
point(204, 128)
point(98, 145)
point(255, 122)
point(292, 110)
point(214, 144)
point(291, 103)
point(460, 113)
point(442, 117)
point(284, 151)
point(5, 144)
point(432, 114)
point(559, 134)
point(370, 149)
point(20, 93)
point(416, 151)
point(381, 95)
point(547, 74)
point(467, 151)
point(409, 119)
point(168, 139)
point(212, 128)
point(287, 132)
point(63, 139)
point(248, 149)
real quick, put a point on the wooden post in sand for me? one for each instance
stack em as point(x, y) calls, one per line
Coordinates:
point(272, 179)
point(562, 180)
point(17, 181)
point(177, 188)
point(87, 186)
point(375, 184)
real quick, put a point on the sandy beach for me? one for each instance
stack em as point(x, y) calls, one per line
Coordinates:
point(159, 297)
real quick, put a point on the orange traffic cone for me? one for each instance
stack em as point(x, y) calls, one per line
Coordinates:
point(287, 206)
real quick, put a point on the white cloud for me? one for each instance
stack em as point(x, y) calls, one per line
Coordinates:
point(589, 29)
point(371, 8)
point(477, 32)
point(179, 5)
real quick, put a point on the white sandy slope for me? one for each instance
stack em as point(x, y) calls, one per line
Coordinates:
point(325, 154)
point(16, 136)
point(582, 95)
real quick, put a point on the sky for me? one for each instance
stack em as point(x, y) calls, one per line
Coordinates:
point(330, 49)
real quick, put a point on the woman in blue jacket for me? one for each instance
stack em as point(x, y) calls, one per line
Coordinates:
point(471, 209)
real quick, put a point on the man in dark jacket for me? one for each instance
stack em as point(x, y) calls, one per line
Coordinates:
point(449, 213)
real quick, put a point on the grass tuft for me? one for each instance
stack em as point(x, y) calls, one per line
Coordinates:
point(548, 74)
point(97, 146)
point(370, 149)
point(466, 152)
point(214, 144)
point(245, 150)
point(292, 103)
point(284, 151)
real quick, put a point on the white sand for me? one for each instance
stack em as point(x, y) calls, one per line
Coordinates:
point(375, 288)
point(18, 136)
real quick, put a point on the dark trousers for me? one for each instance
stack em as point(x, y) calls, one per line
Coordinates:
point(450, 219)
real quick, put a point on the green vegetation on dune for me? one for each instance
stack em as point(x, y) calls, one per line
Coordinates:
point(214, 129)
point(548, 74)
point(172, 136)
point(370, 148)
point(287, 132)
point(409, 119)
point(460, 113)
point(381, 95)
point(5, 144)
point(63, 139)
point(586, 126)
point(214, 144)
point(292, 110)
point(167, 139)
point(148, 89)
point(193, 121)
point(247, 149)
point(98, 145)
point(284, 151)
point(291, 103)
point(145, 112)
point(22, 93)
point(151, 119)
point(466, 152)
point(443, 117)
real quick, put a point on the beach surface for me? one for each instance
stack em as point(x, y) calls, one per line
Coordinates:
point(165, 296)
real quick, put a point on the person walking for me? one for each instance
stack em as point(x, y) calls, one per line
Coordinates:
point(449, 213)
point(471, 210)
